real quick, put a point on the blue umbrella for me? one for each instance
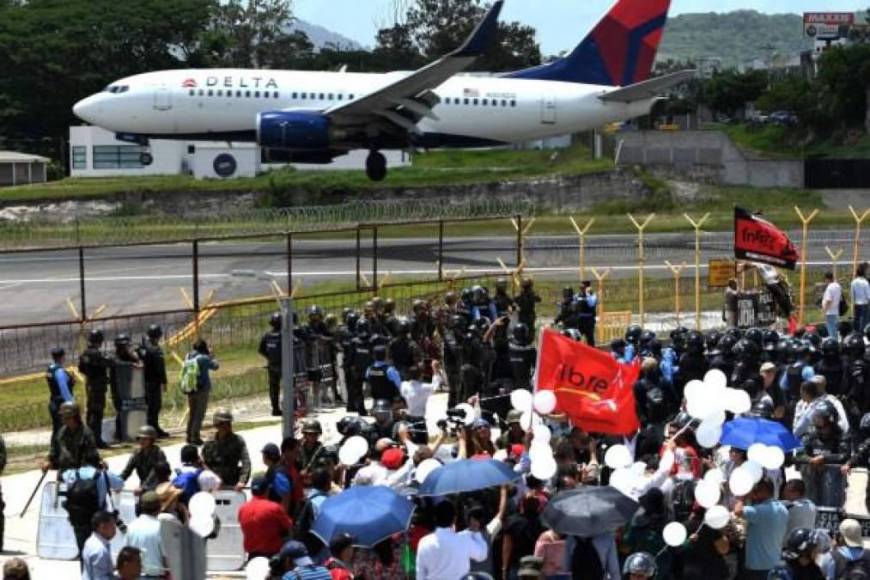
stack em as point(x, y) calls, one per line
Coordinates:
point(369, 513)
point(467, 475)
point(745, 431)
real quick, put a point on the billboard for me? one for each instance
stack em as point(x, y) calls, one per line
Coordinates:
point(828, 25)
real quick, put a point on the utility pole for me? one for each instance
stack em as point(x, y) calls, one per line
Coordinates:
point(287, 370)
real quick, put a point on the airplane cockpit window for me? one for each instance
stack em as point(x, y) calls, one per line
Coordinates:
point(115, 89)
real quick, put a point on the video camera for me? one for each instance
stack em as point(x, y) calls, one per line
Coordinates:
point(454, 421)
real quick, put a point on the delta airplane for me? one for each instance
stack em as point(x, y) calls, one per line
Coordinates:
point(313, 117)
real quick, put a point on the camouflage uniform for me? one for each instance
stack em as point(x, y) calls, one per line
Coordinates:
point(73, 448)
point(143, 462)
point(228, 457)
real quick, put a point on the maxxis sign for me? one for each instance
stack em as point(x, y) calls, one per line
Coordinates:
point(828, 25)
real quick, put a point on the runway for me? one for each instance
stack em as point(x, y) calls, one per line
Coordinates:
point(40, 286)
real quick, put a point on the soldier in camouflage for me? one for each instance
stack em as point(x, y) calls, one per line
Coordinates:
point(227, 454)
point(74, 445)
point(145, 459)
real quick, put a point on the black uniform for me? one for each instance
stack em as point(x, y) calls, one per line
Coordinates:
point(120, 358)
point(270, 349)
point(567, 315)
point(526, 301)
point(452, 364)
point(381, 385)
point(360, 361)
point(503, 303)
point(155, 380)
point(405, 353)
point(522, 360)
point(94, 365)
point(586, 306)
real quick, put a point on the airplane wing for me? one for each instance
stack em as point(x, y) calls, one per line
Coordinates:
point(401, 105)
point(648, 89)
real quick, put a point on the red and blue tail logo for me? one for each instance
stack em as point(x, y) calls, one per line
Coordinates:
point(619, 51)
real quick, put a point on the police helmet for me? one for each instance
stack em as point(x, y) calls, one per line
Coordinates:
point(695, 340)
point(331, 321)
point(762, 408)
point(146, 432)
point(682, 420)
point(521, 332)
point(382, 406)
point(854, 345)
point(69, 409)
point(312, 426)
point(379, 352)
point(712, 339)
point(770, 339)
point(632, 334)
point(830, 347)
point(389, 306)
point(458, 323)
point(57, 352)
point(814, 339)
point(727, 343)
point(403, 327)
point(96, 336)
point(680, 331)
point(655, 347)
point(567, 292)
point(123, 340)
point(573, 334)
point(154, 332)
point(222, 416)
point(315, 311)
point(755, 335)
point(845, 328)
point(350, 321)
point(377, 303)
point(348, 426)
point(275, 320)
point(418, 305)
point(825, 410)
point(640, 563)
point(735, 332)
point(501, 284)
point(466, 294)
point(646, 336)
point(363, 327)
point(749, 349)
point(528, 283)
point(345, 311)
point(618, 344)
point(799, 542)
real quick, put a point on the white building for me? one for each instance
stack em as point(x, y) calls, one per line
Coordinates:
point(94, 152)
point(21, 168)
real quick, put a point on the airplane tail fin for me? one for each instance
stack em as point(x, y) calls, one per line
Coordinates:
point(619, 51)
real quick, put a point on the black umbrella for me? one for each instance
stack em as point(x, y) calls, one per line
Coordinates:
point(588, 511)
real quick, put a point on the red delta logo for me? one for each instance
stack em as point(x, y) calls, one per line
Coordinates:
point(189, 84)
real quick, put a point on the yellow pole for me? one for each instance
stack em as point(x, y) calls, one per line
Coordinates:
point(581, 234)
point(677, 271)
point(600, 276)
point(641, 260)
point(805, 220)
point(856, 253)
point(697, 225)
point(835, 257)
point(524, 234)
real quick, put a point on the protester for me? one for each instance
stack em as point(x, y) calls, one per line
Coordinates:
point(265, 525)
point(831, 300)
point(15, 569)
point(129, 564)
point(197, 399)
point(767, 522)
point(96, 554)
point(144, 533)
point(860, 290)
point(445, 553)
point(341, 556)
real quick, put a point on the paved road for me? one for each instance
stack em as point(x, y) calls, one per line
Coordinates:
point(36, 286)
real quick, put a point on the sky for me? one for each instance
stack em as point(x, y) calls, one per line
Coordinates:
point(560, 26)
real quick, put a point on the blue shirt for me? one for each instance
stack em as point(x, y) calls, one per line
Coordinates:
point(206, 364)
point(591, 302)
point(767, 524)
point(668, 365)
point(97, 559)
point(308, 573)
point(392, 373)
point(88, 472)
point(62, 379)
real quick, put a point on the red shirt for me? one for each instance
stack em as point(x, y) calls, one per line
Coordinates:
point(264, 526)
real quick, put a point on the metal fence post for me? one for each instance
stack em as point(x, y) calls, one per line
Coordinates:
point(519, 240)
point(358, 255)
point(287, 371)
point(289, 263)
point(440, 250)
point(375, 258)
point(84, 302)
point(196, 276)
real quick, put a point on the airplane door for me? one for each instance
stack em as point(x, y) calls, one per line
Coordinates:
point(162, 99)
point(548, 110)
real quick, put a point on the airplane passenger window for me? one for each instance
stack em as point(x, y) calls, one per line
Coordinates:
point(275, 94)
point(192, 92)
point(467, 101)
point(476, 102)
point(485, 102)
point(210, 93)
point(503, 103)
point(248, 94)
point(321, 96)
point(201, 92)
point(340, 97)
point(220, 93)
point(331, 97)
point(351, 97)
point(295, 95)
point(513, 103)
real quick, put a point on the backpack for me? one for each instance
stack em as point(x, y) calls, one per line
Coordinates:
point(844, 305)
point(188, 483)
point(188, 378)
point(585, 561)
point(683, 499)
point(851, 569)
point(303, 522)
point(82, 498)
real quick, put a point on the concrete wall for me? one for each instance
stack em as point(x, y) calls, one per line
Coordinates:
point(711, 153)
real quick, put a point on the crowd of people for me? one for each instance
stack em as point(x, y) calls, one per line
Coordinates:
point(480, 348)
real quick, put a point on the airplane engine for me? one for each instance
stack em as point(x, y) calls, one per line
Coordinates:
point(293, 130)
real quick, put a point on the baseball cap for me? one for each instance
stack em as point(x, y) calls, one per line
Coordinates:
point(851, 531)
point(259, 484)
point(149, 501)
point(517, 450)
point(479, 423)
point(393, 458)
point(297, 552)
point(271, 450)
point(768, 367)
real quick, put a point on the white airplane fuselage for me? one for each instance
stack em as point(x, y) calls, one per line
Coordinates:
point(220, 102)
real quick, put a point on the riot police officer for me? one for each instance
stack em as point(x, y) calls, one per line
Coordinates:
point(382, 377)
point(94, 365)
point(858, 384)
point(504, 304)
point(567, 312)
point(692, 364)
point(270, 349)
point(832, 368)
point(155, 376)
point(60, 388)
point(523, 356)
point(526, 302)
point(124, 355)
point(404, 352)
point(145, 459)
point(452, 355)
point(587, 304)
point(316, 336)
point(227, 453)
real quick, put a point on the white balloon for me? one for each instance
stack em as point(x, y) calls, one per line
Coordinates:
point(470, 413)
point(358, 444)
point(544, 469)
point(526, 420)
point(715, 379)
point(717, 417)
point(544, 402)
point(540, 451)
point(715, 477)
point(426, 467)
point(542, 434)
point(773, 458)
point(202, 505)
point(737, 401)
point(756, 452)
point(257, 569)
point(708, 434)
point(704, 407)
point(521, 400)
point(674, 534)
point(347, 455)
point(707, 494)
point(755, 469)
point(741, 482)
point(209, 480)
point(694, 389)
point(717, 517)
point(638, 468)
point(202, 526)
point(618, 456)
point(623, 479)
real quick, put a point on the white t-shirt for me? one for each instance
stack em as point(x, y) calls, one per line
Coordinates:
point(417, 393)
point(860, 291)
point(833, 295)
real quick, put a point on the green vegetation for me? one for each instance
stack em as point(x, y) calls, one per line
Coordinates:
point(735, 37)
point(777, 142)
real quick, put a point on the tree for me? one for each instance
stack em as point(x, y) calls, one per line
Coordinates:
point(432, 28)
point(728, 91)
point(843, 81)
point(254, 34)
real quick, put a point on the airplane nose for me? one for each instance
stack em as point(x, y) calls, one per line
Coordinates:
point(86, 109)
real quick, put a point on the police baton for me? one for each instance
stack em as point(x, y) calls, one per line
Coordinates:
point(33, 495)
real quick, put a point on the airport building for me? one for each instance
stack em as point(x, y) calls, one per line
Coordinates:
point(94, 152)
point(22, 168)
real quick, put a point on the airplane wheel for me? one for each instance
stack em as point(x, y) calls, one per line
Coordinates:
point(146, 159)
point(376, 166)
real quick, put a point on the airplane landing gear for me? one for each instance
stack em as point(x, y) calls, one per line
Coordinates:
point(376, 166)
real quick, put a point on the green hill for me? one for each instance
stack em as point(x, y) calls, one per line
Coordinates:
point(735, 37)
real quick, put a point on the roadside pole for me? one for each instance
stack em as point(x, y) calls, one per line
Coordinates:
point(287, 371)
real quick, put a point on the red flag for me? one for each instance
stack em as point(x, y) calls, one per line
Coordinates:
point(591, 387)
point(758, 240)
